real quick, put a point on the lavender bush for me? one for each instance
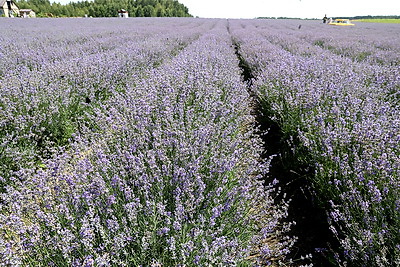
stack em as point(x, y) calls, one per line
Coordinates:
point(50, 85)
point(337, 91)
point(149, 154)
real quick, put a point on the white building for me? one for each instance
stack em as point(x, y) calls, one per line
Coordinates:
point(122, 13)
point(27, 13)
point(8, 9)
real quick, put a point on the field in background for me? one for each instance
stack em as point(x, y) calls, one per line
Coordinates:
point(379, 20)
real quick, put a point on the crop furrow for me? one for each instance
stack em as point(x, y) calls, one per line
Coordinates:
point(294, 176)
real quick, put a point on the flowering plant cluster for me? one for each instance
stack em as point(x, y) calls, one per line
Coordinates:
point(131, 143)
point(337, 91)
point(50, 85)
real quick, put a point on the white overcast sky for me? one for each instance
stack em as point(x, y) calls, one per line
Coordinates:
point(286, 8)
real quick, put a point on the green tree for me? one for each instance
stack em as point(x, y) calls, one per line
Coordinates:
point(107, 8)
point(149, 11)
point(139, 11)
point(160, 10)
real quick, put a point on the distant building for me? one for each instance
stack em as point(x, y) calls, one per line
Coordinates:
point(27, 13)
point(122, 13)
point(8, 8)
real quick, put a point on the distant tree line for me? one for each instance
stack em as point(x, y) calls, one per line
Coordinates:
point(374, 17)
point(107, 8)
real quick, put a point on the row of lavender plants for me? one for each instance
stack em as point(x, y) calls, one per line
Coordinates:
point(336, 90)
point(148, 153)
point(53, 76)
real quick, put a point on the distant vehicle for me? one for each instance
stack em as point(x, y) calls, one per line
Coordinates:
point(341, 22)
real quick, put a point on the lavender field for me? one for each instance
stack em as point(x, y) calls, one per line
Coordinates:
point(144, 142)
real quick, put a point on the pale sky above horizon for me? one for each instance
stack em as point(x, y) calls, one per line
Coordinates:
point(286, 8)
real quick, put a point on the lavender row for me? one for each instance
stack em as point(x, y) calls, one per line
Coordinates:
point(35, 44)
point(168, 172)
point(52, 81)
point(369, 43)
point(346, 114)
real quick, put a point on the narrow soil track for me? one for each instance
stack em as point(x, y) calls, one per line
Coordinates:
point(311, 228)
